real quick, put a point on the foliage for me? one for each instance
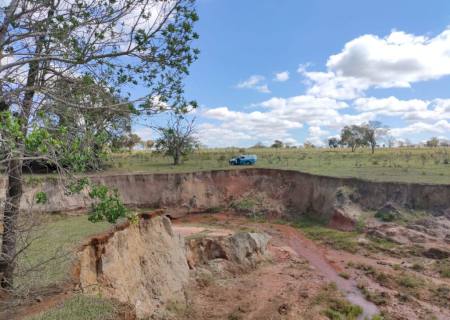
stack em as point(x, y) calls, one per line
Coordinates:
point(433, 142)
point(177, 139)
point(333, 142)
point(335, 306)
point(108, 206)
point(277, 144)
point(339, 240)
point(51, 117)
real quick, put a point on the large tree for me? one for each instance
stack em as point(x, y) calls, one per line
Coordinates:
point(118, 45)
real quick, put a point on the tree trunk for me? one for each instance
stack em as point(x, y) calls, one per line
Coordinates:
point(10, 216)
point(176, 157)
point(373, 148)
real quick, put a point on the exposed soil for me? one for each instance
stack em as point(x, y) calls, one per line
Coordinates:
point(287, 286)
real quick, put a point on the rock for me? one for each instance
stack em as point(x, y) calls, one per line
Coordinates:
point(447, 238)
point(363, 241)
point(283, 309)
point(436, 253)
point(340, 220)
point(388, 212)
point(244, 248)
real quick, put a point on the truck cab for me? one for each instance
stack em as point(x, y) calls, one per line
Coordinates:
point(245, 159)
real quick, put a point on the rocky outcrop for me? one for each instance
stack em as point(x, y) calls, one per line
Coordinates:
point(244, 248)
point(297, 192)
point(142, 264)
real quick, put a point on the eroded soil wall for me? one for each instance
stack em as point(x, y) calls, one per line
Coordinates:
point(142, 264)
point(298, 192)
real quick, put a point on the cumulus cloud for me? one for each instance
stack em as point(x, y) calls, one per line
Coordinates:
point(281, 76)
point(439, 127)
point(397, 60)
point(410, 110)
point(255, 82)
point(316, 135)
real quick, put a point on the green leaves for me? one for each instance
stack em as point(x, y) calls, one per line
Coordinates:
point(108, 205)
point(41, 197)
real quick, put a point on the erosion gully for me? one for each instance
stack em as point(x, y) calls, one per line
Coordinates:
point(305, 248)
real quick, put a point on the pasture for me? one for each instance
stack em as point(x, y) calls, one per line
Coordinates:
point(422, 165)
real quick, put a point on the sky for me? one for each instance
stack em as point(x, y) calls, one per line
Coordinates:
point(298, 70)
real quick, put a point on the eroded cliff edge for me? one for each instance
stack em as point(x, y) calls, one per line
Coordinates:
point(297, 192)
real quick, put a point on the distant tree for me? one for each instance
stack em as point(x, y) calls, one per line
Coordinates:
point(373, 132)
point(333, 142)
point(277, 144)
point(390, 140)
point(308, 145)
point(259, 145)
point(433, 142)
point(131, 141)
point(177, 139)
point(148, 144)
point(353, 136)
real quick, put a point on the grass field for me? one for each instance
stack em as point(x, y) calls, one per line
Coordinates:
point(51, 253)
point(427, 165)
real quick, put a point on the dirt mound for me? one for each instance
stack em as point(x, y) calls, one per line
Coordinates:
point(141, 264)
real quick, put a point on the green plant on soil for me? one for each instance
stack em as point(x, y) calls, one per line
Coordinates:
point(339, 240)
point(443, 267)
point(81, 307)
point(334, 306)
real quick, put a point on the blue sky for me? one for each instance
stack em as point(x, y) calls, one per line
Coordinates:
point(338, 62)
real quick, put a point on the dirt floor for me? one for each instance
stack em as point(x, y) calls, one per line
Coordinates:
point(306, 280)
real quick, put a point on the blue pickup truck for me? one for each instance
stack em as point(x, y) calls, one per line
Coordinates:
point(246, 159)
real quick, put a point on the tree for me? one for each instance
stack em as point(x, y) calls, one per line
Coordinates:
point(373, 131)
point(277, 144)
point(258, 145)
point(353, 136)
point(148, 144)
point(117, 44)
point(433, 142)
point(177, 139)
point(333, 142)
point(92, 129)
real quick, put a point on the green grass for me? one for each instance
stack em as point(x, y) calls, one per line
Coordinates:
point(339, 240)
point(81, 308)
point(428, 165)
point(335, 307)
point(57, 237)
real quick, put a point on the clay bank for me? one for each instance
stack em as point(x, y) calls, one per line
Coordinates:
point(294, 192)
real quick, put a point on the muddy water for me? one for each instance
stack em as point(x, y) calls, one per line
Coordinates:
point(311, 252)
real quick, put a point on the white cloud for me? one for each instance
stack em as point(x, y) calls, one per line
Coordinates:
point(316, 135)
point(410, 110)
point(254, 82)
point(397, 60)
point(440, 127)
point(144, 133)
point(281, 76)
